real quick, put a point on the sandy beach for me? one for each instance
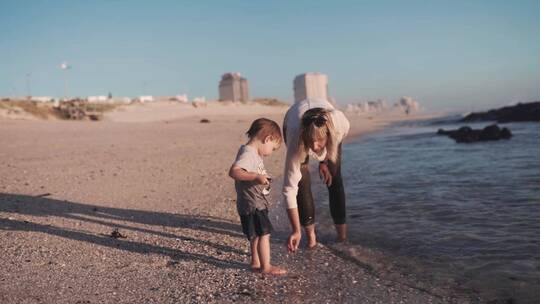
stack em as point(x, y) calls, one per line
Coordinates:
point(156, 177)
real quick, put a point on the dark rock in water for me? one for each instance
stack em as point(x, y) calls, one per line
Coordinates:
point(468, 135)
point(505, 133)
point(521, 112)
point(204, 120)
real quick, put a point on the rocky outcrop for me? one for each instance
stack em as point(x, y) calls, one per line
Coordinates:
point(521, 112)
point(78, 109)
point(468, 135)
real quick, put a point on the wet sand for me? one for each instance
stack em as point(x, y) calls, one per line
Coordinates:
point(161, 180)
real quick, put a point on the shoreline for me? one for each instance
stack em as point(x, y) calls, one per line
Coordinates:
point(379, 262)
point(163, 185)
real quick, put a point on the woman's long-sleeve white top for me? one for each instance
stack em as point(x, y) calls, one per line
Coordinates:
point(291, 127)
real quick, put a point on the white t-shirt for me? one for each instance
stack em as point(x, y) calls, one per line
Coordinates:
point(250, 194)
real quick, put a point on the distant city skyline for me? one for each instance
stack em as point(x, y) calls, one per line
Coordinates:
point(458, 55)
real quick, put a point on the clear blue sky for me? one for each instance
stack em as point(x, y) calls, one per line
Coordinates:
point(446, 54)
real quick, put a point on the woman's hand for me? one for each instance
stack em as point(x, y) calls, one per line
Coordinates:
point(294, 238)
point(293, 241)
point(324, 173)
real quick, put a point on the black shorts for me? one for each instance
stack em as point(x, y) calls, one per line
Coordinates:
point(256, 224)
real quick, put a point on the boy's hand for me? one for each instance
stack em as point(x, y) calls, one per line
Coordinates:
point(262, 179)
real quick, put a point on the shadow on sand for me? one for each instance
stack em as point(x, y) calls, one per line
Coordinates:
point(45, 207)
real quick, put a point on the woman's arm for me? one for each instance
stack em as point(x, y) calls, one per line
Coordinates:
point(341, 123)
point(292, 177)
point(324, 173)
point(296, 234)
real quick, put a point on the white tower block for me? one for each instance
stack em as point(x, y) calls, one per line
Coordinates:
point(310, 85)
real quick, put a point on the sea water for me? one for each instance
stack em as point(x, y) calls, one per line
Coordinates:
point(466, 211)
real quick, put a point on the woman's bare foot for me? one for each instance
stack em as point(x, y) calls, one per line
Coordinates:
point(274, 270)
point(312, 246)
point(341, 240)
point(311, 238)
point(341, 233)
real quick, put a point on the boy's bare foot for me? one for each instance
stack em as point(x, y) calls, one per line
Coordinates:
point(274, 270)
point(255, 269)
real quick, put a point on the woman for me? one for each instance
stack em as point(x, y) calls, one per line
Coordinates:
point(313, 127)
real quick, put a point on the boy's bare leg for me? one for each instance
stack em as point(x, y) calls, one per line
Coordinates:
point(264, 257)
point(311, 236)
point(255, 260)
point(341, 232)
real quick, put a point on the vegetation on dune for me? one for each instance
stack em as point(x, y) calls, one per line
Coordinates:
point(270, 102)
point(48, 110)
point(37, 109)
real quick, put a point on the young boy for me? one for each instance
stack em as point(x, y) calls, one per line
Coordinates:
point(252, 187)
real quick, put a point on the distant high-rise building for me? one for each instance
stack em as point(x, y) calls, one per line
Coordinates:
point(310, 85)
point(233, 87)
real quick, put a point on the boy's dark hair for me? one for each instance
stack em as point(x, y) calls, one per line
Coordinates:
point(263, 127)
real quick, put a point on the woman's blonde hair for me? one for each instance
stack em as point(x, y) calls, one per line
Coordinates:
point(317, 124)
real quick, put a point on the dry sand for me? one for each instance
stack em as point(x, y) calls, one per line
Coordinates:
point(159, 176)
